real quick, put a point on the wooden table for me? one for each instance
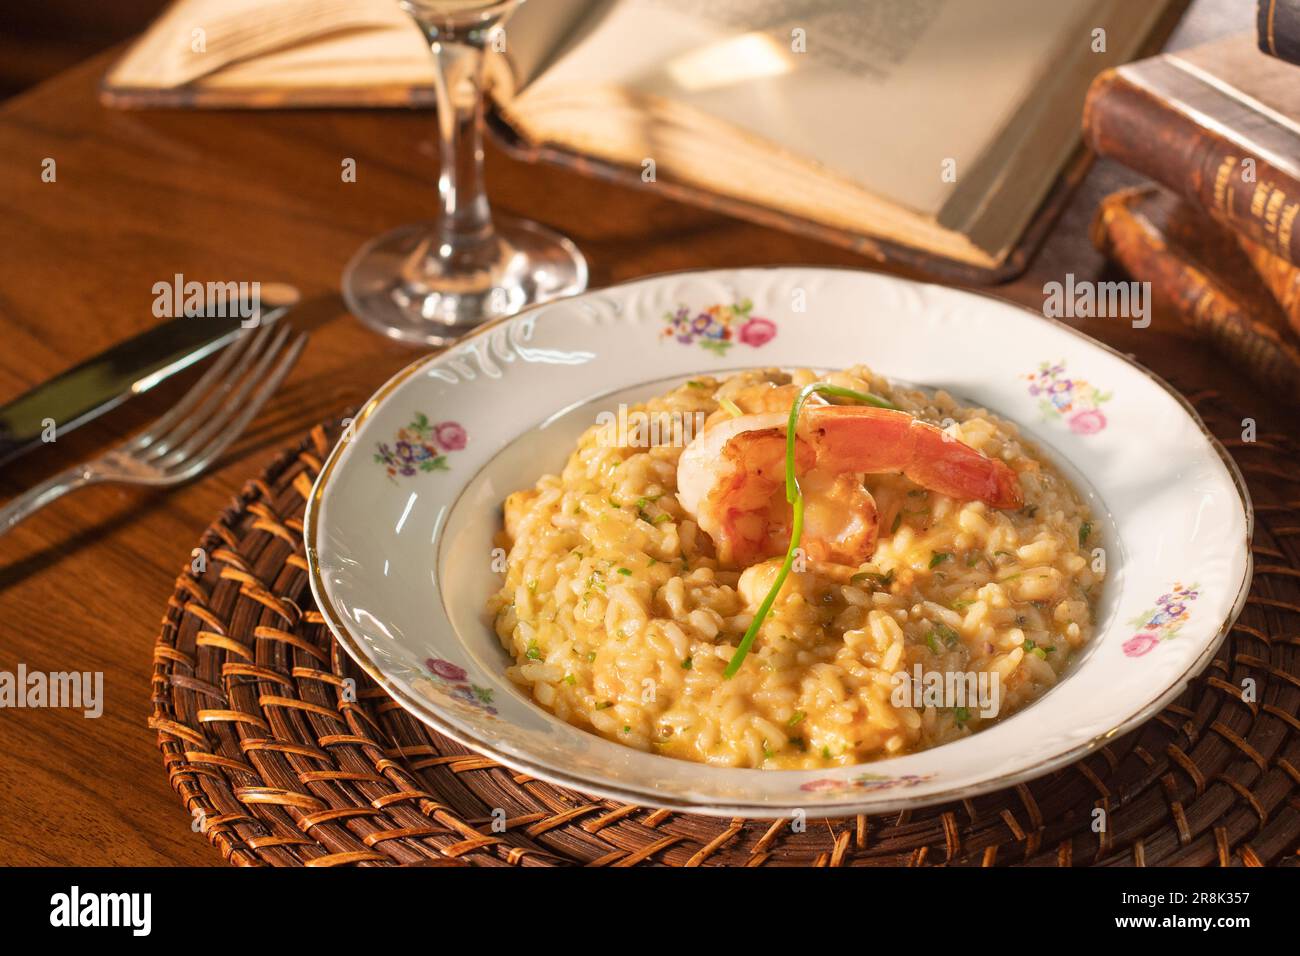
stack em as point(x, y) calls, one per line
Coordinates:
point(243, 196)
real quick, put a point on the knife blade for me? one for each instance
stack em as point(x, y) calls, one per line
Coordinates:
point(130, 368)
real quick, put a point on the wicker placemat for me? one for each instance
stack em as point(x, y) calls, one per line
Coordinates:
point(284, 760)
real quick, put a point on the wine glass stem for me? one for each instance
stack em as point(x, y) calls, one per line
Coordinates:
point(466, 220)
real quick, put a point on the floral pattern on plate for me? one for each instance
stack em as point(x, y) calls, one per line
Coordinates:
point(452, 680)
point(421, 446)
point(1162, 622)
point(719, 327)
point(866, 781)
point(1073, 400)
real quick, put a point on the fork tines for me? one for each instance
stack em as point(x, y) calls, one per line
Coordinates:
point(216, 410)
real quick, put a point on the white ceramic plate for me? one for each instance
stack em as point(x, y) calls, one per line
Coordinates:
point(399, 536)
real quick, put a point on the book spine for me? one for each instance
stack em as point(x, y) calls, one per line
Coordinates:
point(1282, 279)
point(1277, 24)
point(1134, 127)
point(1200, 302)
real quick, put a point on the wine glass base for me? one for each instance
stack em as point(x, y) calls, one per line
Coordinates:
point(396, 288)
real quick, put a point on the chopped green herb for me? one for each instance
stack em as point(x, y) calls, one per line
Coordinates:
point(694, 384)
point(604, 704)
point(944, 633)
point(767, 751)
point(932, 640)
point(939, 557)
point(688, 663)
point(1029, 644)
point(533, 653)
point(826, 753)
point(972, 559)
point(795, 718)
point(660, 519)
point(731, 407)
point(570, 679)
point(962, 715)
point(591, 657)
point(626, 572)
point(1039, 653)
point(1085, 529)
point(884, 580)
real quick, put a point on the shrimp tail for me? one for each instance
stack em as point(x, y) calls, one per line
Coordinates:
point(879, 440)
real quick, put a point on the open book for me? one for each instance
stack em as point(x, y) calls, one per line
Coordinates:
point(929, 131)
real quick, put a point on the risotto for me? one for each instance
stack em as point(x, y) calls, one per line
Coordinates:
point(622, 613)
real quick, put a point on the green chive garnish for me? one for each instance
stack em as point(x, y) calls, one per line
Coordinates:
point(794, 496)
point(1085, 529)
point(938, 557)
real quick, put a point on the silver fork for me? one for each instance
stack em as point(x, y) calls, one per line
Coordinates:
point(188, 438)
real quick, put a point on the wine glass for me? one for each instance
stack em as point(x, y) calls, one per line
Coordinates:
point(430, 282)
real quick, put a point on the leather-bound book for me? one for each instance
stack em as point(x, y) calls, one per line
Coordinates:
point(1199, 272)
point(1282, 279)
point(1219, 125)
point(1278, 28)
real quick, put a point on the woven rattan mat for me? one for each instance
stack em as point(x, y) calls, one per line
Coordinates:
point(280, 764)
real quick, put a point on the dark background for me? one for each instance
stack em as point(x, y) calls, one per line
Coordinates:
point(39, 38)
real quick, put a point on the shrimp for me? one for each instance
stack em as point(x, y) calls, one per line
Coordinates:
point(731, 478)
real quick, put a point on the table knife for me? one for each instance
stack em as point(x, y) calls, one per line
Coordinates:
point(103, 382)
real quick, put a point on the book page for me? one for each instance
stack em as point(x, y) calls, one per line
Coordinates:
point(236, 45)
point(880, 94)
